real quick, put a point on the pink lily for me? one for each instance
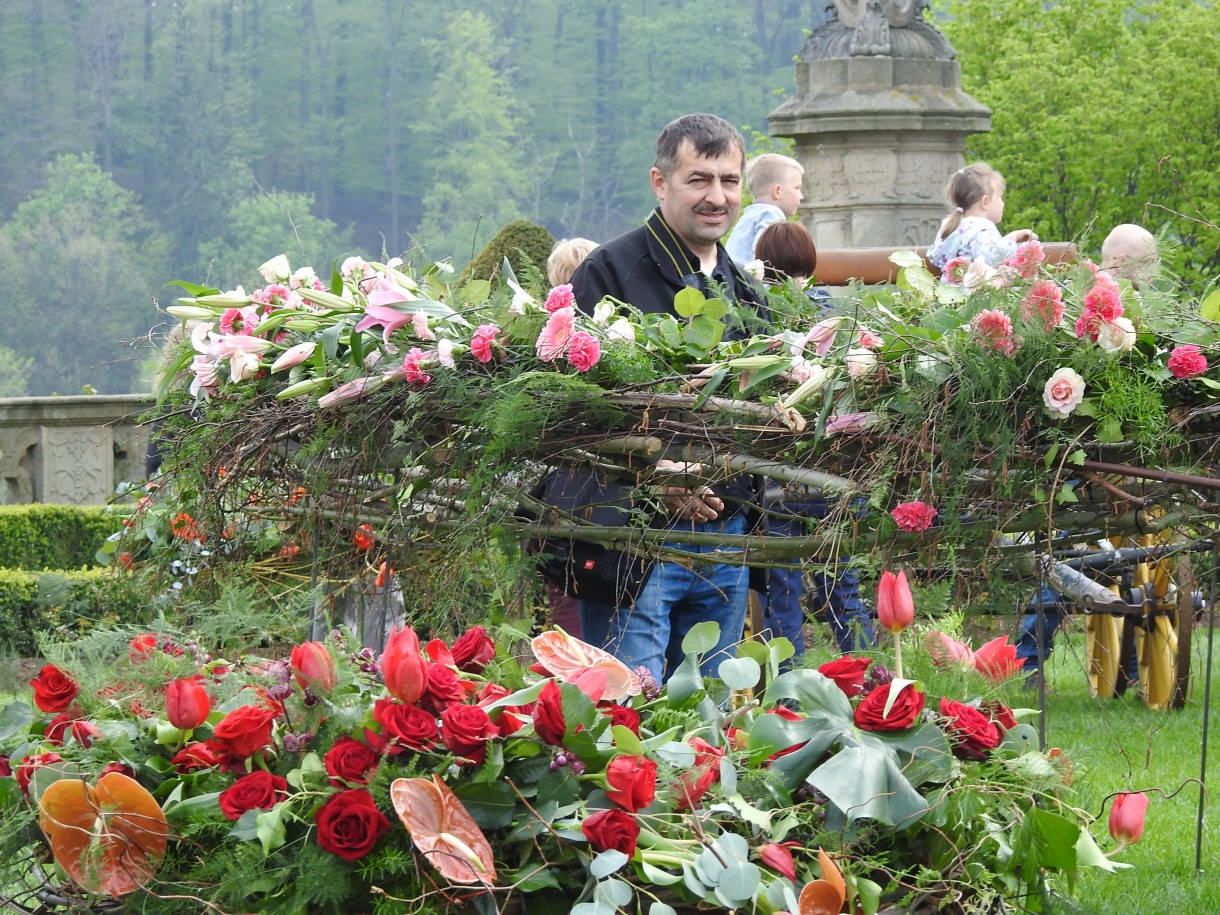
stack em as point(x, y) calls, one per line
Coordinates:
point(390, 319)
point(294, 355)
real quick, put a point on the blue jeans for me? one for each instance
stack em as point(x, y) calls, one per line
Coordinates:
point(851, 623)
point(1054, 605)
point(649, 633)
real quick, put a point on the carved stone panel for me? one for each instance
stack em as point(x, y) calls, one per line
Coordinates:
point(871, 174)
point(77, 465)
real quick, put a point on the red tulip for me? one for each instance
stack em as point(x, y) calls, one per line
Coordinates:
point(313, 666)
point(779, 859)
point(187, 704)
point(895, 606)
point(1127, 817)
point(997, 660)
point(403, 667)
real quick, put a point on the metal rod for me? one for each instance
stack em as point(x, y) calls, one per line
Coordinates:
point(1207, 703)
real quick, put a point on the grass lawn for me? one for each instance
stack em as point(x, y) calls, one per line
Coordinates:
point(1120, 744)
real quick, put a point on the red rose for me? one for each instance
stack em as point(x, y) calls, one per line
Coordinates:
point(54, 690)
point(6, 768)
point(473, 651)
point(1001, 714)
point(466, 730)
point(445, 688)
point(631, 781)
point(870, 713)
point(609, 829)
point(83, 732)
point(692, 784)
point(848, 674)
point(27, 767)
point(187, 704)
point(195, 756)
point(622, 714)
point(260, 790)
point(349, 824)
point(121, 768)
point(350, 762)
point(972, 731)
point(405, 726)
point(549, 723)
point(244, 731)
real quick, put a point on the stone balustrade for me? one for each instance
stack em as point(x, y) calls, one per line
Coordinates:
point(70, 450)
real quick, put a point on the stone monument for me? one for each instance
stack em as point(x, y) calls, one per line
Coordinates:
point(880, 123)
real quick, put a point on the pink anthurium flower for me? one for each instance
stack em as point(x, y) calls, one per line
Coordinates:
point(294, 355)
point(895, 605)
point(1127, 817)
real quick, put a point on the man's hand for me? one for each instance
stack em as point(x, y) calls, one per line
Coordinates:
point(698, 505)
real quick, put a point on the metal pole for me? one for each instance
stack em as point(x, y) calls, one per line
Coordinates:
point(1040, 652)
point(1207, 703)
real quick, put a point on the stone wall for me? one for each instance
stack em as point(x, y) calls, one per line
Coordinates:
point(70, 450)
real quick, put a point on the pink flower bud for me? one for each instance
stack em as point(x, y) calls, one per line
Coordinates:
point(187, 704)
point(313, 666)
point(895, 605)
point(403, 666)
point(1127, 817)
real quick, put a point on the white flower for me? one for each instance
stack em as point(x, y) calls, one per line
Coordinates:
point(521, 298)
point(621, 330)
point(355, 269)
point(419, 323)
point(1063, 392)
point(276, 270)
point(294, 355)
point(304, 277)
point(980, 274)
point(755, 268)
point(602, 313)
point(444, 353)
point(243, 365)
point(861, 362)
point(443, 267)
point(1116, 336)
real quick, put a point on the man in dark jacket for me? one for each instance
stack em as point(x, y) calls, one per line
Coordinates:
point(697, 178)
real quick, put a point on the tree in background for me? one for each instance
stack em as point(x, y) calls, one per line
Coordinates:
point(1104, 111)
point(263, 226)
point(14, 373)
point(81, 260)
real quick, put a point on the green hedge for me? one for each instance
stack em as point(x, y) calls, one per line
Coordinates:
point(37, 536)
point(64, 603)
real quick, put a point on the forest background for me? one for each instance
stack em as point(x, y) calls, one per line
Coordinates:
point(143, 141)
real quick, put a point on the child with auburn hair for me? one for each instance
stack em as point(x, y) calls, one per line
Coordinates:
point(976, 194)
point(775, 184)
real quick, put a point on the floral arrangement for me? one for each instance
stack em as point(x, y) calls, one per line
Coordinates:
point(146, 774)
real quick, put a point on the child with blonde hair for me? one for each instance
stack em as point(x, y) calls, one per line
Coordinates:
point(565, 257)
point(775, 184)
point(976, 194)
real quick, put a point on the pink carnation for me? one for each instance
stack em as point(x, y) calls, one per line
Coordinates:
point(1186, 361)
point(555, 338)
point(482, 341)
point(1044, 301)
point(560, 297)
point(1104, 301)
point(411, 367)
point(913, 517)
point(1089, 325)
point(868, 339)
point(1027, 259)
point(995, 329)
point(955, 270)
point(584, 351)
point(239, 320)
point(277, 295)
point(419, 324)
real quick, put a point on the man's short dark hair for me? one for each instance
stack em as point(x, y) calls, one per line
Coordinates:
point(710, 135)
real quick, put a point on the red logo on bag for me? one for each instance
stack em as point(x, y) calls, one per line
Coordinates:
point(589, 564)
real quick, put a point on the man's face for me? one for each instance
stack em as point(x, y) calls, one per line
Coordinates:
point(700, 200)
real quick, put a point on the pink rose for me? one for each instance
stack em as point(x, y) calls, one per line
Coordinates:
point(994, 328)
point(1186, 361)
point(584, 351)
point(1063, 392)
point(1044, 301)
point(555, 338)
point(482, 341)
point(913, 517)
point(560, 297)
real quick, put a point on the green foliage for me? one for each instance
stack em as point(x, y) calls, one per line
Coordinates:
point(525, 244)
point(280, 222)
point(40, 536)
point(35, 604)
point(1104, 112)
point(14, 372)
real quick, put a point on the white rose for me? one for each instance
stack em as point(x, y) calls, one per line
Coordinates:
point(444, 353)
point(621, 330)
point(1063, 392)
point(861, 362)
point(276, 270)
point(1116, 336)
point(602, 313)
point(756, 269)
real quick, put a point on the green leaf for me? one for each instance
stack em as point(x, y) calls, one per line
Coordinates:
point(1087, 407)
point(655, 875)
point(865, 782)
point(739, 882)
point(702, 335)
point(606, 863)
point(1051, 453)
point(701, 638)
point(1077, 457)
point(270, 827)
point(15, 718)
point(626, 740)
point(715, 309)
point(490, 804)
point(1110, 430)
point(1209, 308)
point(739, 673)
point(1066, 495)
point(689, 302)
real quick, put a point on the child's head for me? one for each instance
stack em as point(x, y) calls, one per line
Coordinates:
point(976, 190)
point(565, 257)
point(1129, 252)
point(786, 250)
point(776, 179)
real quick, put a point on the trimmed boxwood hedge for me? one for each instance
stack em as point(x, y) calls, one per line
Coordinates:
point(38, 536)
point(63, 603)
